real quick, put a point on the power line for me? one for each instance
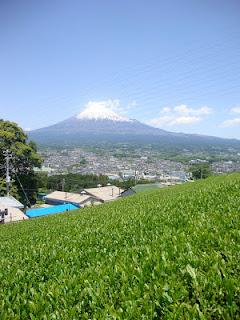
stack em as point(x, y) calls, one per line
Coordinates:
point(8, 155)
point(25, 195)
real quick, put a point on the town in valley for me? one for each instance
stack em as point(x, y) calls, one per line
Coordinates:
point(142, 162)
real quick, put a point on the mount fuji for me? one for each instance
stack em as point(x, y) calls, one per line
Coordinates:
point(103, 125)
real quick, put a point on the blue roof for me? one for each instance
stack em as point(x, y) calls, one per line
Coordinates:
point(38, 212)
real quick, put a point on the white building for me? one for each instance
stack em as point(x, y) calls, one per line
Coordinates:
point(105, 194)
point(13, 214)
point(61, 197)
point(10, 210)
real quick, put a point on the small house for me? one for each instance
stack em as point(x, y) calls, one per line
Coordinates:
point(77, 199)
point(10, 210)
point(10, 201)
point(11, 214)
point(104, 194)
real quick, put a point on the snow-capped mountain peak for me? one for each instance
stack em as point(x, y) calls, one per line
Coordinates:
point(100, 111)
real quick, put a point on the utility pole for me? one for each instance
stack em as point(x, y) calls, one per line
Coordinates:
point(63, 184)
point(8, 179)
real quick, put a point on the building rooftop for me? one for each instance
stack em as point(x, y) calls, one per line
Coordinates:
point(14, 214)
point(38, 212)
point(67, 197)
point(10, 201)
point(107, 193)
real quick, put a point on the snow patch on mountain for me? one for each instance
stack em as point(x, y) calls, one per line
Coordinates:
point(102, 110)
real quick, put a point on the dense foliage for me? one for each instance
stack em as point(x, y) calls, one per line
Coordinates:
point(74, 182)
point(24, 158)
point(200, 170)
point(3, 188)
point(176, 152)
point(169, 254)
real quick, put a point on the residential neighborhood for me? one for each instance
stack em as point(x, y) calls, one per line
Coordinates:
point(57, 202)
point(120, 163)
point(115, 164)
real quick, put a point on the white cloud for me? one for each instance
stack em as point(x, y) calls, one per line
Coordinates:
point(183, 109)
point(186, 120)
point(166, 110)
point(107, 109)
point(231, 122)
point(173, 120)
point(105, 106)
point(234, 121)
point(235, 110)
point(111, 104)
point(204, 111)
point(160, 121)
point(132, 104)
point(181, 115)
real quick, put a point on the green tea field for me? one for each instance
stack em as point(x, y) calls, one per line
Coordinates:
point(172, 253)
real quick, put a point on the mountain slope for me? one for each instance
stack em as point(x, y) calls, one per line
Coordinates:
point(167, 254)
point(104, 125)
point(74, 129)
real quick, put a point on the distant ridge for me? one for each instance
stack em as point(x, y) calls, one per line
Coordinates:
point(103, 125)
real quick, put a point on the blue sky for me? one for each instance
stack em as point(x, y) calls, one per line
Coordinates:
point(173, 64)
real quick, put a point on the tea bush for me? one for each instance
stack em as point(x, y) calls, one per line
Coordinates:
point(167, 254)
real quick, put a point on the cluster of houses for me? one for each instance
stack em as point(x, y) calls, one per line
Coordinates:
point(11, 210)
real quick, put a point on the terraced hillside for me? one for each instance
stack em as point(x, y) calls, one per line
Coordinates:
point(166, 254)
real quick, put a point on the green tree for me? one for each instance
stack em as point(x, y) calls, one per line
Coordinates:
point(14, 191)
point(24, 158)
point(125, 184)
point(200, 170)
point(74, 182)
point(42, 181)
point(83, 161)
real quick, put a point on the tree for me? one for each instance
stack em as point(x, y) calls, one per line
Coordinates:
point(200, 170)
point(42, 181)
point(24, 158)
point(125, 184)
point(75, 182)
point(14, 191)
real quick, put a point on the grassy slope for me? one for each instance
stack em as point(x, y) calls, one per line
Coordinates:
point(146, 187)
point(171, 254)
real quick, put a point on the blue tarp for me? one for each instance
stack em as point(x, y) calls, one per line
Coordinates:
point(32, 213)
